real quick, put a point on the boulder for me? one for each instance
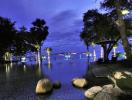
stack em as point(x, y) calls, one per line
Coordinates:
point(57, 84)
point(79, 82)
point(123, 80)
point(128, 73)
point(108, 86)
point(113, 91)
point(104, 96)
point(118, 75)
point(116, 91)
point(90, 93)
point(44, 86)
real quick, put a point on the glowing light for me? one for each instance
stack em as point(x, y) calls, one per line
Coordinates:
point(125, 55)
point(114, 51)
point(61, 54)
point(93, 43)
point(73, 53)
point(68, 56)
point(124, 12)
point(44, 57)
point(102, 53)
point(37, 46)
point(7, 70)
point(24, 68)
point(11, 64)
point(87, 53)
point(23, 59)
point(94, 55)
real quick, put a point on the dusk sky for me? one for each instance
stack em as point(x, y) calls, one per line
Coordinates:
point(63, 17)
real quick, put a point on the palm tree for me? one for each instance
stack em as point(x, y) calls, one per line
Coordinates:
point(115, 8)
point(48, 50)
point(38, 33)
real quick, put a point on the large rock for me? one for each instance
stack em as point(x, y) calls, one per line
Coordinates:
point(114, 91)
point(57, 84)
point(128, 73)
point(123, 80)
point(108, 86)
point(79, 82)
point(104, 96)
point(43, 86)
point(118, 75)
point(90, 93)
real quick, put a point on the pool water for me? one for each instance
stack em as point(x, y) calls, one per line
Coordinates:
point(18, 81)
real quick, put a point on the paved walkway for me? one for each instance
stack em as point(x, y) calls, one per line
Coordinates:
point(103, 70)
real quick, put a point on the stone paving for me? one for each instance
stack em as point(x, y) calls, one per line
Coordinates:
point(103, 70)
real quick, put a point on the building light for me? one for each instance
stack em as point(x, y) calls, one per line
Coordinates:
point(74, 53)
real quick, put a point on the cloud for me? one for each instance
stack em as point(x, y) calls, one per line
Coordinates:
point(63, 20)
point(67, 33)
point(63, 17)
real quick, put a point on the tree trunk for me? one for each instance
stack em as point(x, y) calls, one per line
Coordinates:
point(88, 54)
point(40, 54)
point(122, 29)
point(106, 59)
point(106, 53)
point(38, 57)
point(125, 40)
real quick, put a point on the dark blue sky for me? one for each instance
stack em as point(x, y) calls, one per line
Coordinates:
point(64, 18)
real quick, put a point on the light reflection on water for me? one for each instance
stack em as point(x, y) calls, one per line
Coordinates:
point(19, 80)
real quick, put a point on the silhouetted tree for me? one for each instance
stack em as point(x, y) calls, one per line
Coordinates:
point(116, 8)
point(7, 33)
point(101, 29)
point(20, 44)
point(38, 33)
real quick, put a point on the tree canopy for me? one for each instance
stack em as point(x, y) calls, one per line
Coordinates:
point(116, 8)
point(103, 28)
point(99, 28)
point(7, 33)
point(19, 42)
point(38, 32)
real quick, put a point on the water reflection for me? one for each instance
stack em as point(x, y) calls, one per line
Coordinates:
point(24, 68)
point(7, 69)
point(21, 79)
point(49, 65)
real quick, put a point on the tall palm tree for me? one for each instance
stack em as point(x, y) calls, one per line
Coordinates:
point(38, 33)
point(48, 50)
